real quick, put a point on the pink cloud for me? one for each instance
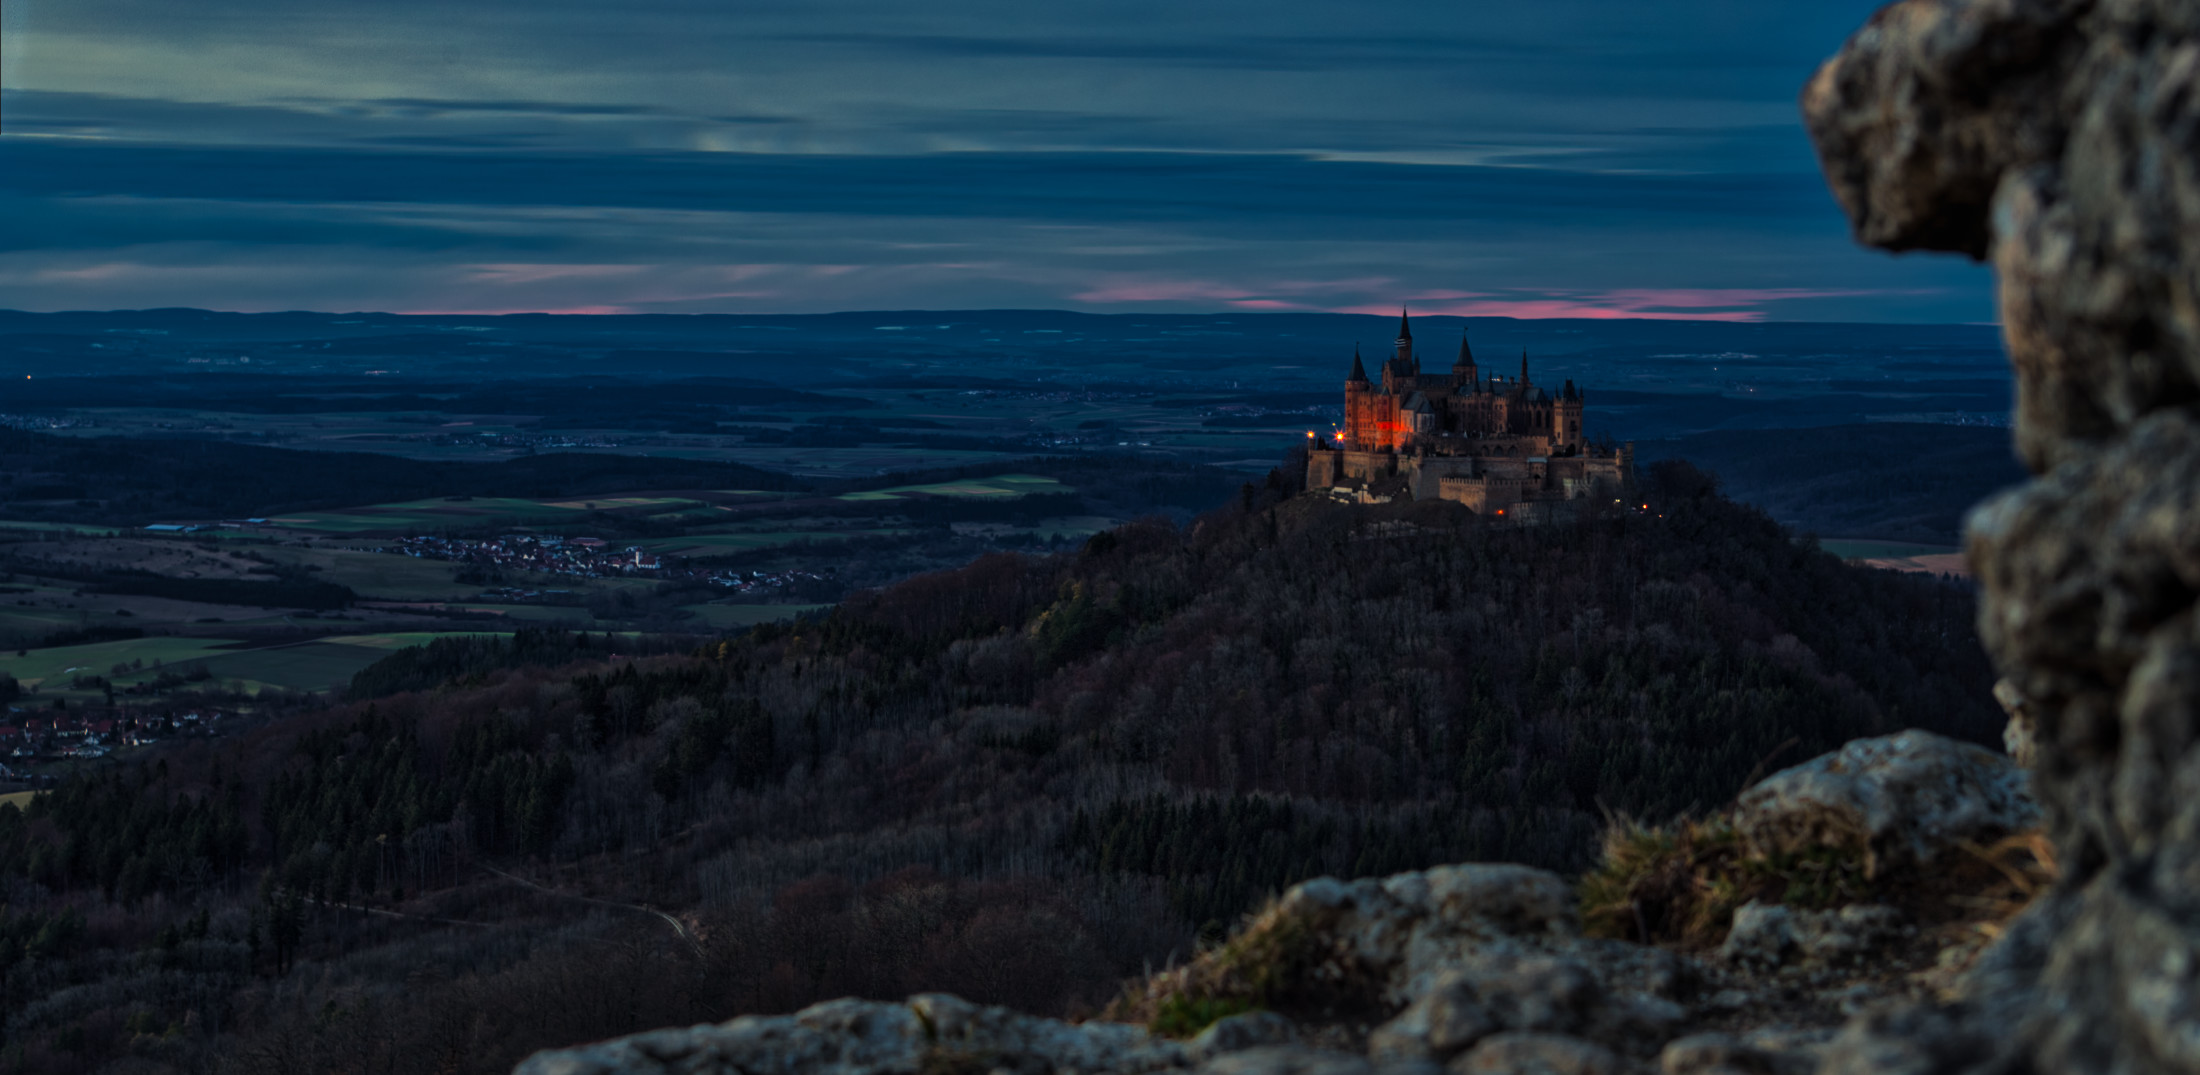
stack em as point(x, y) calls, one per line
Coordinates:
point(1342, 296)
point(1257, 297)
point(526, 310)
point(512, 273)
point(1648, 304)
point(113, 270)
point(1533, 309)
point(1690, 298)
point(1164, 291)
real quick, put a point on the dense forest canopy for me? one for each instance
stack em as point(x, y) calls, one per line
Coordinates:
point(1019, 780)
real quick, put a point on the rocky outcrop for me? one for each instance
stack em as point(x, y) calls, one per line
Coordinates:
point(934, 1034)
point(1905, 800)
point(2061, 139)
point(1466, 969)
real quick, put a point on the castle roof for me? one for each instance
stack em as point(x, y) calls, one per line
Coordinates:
point(1418, 402)
point(1359, 372)
point(1466, 353)
point(1404, 332)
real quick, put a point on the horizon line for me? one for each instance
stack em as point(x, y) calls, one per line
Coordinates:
point(608, 313)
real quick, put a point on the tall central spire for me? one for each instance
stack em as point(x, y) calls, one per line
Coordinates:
point(1405, 337)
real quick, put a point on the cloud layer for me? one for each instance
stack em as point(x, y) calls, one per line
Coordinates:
point(1570, 158)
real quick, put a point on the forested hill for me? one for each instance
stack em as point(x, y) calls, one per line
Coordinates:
point(1019, 780)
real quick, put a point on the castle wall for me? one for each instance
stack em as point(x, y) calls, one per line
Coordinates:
point(1321, 468)
point(1430, 472)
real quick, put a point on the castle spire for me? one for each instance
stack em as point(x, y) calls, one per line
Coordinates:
point(1466, 353)
point(1405, 338)
point(1359, 372)
point(1404, 332)
point(1523, 365)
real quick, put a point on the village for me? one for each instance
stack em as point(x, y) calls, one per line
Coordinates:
point(583, 557)
point(32, 736)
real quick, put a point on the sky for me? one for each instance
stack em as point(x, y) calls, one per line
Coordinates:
point(1554, 158)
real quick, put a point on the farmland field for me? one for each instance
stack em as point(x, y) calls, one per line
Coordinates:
point(429, 516)
point(1003, 486)
point(699, 546)
point(376, 574)
point(60, 663)
point(475, 513)
point(309, 666)
point(388, 642)
point(725, 617)
point(305, 666)
point(62, 528)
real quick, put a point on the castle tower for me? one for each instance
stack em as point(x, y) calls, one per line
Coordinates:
point(1357, 435)
point(1566, 421)
point(1405, 337)
point(1464, 375)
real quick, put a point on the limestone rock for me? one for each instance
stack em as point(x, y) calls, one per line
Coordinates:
point(1762, 936)
point(1725, 1054)
point(1288, 1060)
point(1237, 1033)
point(1441, 1024)
point(1850, 934)
point(1907, 799)
point(2019, 739)
point(860, 1037)
point(2061, 138)
point(1766, 936)
point(1539, 1054)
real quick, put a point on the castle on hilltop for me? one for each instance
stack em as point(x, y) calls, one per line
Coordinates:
point(1493, 443)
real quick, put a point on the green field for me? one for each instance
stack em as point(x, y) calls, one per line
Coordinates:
point(34, 623)
point(707, 545)
point(378, 574)
point(63, 663)
point(310, 666)
point(337, 522)
point(1002, 487)
point(390, 641)
point(303, 666)
point(624, 503)
point(729, 616)
point(535, 613)
point(441, 513)
point(60, 528)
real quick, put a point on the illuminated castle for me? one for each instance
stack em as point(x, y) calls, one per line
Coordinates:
point(1486, 442)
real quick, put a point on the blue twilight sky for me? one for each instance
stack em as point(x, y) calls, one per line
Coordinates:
point(1544, 158)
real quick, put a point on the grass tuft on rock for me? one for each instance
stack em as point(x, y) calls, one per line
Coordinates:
point(1680, 884)
point(1182, 1015)
point(1275, 960)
